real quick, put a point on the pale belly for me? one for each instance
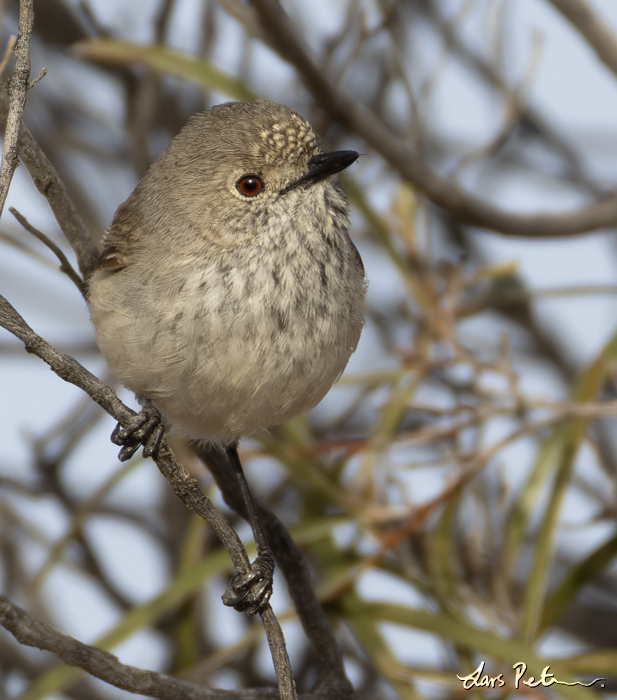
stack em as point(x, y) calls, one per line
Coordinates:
point(222, 358)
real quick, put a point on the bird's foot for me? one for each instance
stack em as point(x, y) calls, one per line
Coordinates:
point(250, 592)
point(144, 429)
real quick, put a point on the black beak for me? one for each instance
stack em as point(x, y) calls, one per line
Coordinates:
point(323, 165)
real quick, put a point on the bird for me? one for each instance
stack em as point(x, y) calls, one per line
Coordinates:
point(228, 295)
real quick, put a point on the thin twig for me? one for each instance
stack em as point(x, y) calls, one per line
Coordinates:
point(512, 116)
point(280, 658)
point(40, 76)
point(48, 183)
point(18, 244)
point(17, 89)
point(488, 72)
point(65, 265)
point(246, 16)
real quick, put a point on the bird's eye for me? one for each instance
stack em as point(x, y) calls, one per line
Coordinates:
point(249, 185)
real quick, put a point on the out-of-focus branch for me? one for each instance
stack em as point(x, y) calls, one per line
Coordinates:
point(17, 88)
point(247, 17)
point(282, 36)
point(488, 72)
point(594, 29)
point(8, 53)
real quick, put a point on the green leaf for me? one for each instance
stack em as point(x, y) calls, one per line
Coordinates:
point(366, 630)
point(571, 434)
point(517, 523)
point(587, 570)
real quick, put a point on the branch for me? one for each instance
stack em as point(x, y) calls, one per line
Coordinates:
point(488, 72)
point(18, 141)
point(108, 667)
point(48, 183)
point(247, 17)
point(184, 485)
point(332, 681)
point(282, 36)
point(65, 265)
point(182, 482)
point(17, 88)
point(595, 30)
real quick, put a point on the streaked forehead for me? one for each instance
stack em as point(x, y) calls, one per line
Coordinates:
point(287, 139)
point(257, 133)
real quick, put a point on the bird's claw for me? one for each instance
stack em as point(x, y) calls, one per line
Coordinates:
point(145, 429)
point(250, 592)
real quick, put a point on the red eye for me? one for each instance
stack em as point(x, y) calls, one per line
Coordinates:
point(249, 185)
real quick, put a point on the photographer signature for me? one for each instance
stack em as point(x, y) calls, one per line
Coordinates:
point(479, 679)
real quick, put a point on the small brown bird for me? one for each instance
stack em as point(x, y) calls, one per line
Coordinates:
point(229, 294)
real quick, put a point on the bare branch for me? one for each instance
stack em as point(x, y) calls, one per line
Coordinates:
point(332, 680)
point(489, 73)
point(39, 77)
point(48, 183)
point(184, 485)
point(71, 371)
point(108, 667)
point(65, 265)
point(247, 18)
point(17, 89)
point(444, 193)
point(594, 29)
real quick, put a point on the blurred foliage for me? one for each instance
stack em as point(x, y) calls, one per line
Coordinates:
point(478, 569)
